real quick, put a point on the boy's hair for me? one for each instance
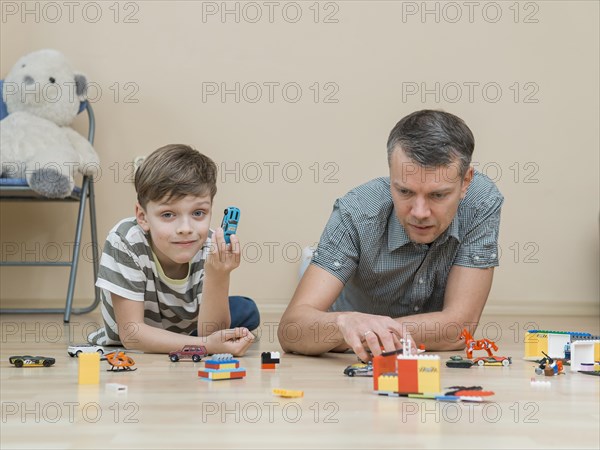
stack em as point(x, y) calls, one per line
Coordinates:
point(175, 171)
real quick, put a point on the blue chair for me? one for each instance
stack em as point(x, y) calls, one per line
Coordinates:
point(17, 190)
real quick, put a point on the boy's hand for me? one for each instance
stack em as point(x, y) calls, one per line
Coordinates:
point(235, 341)
point(223, 257)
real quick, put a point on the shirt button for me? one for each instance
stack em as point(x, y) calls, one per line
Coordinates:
point(476, 258)
point(493, 255)
point(416, 308)
point(336, 264)
point(316, 253)
point(420, 280)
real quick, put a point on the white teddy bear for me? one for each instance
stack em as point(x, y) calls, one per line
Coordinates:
point(43, 94)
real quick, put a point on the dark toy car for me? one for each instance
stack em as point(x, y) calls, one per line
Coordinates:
point(359, 370)
point(31, 361)
point(193, 352)
point(458, 361)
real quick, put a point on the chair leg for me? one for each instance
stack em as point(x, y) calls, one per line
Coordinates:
point(95, 255)
point(76, 248)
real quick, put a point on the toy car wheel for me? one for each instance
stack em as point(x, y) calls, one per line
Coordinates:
point(100, 351)
point(77, 353)
point(47, 363)
point(195, 358)
point(174, 358)
point(351, 373)
point(505, 363)
point(480, 362)
point(19, 363)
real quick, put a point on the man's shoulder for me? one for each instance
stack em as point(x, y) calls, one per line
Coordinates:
point(482, 192)
point(369, 199)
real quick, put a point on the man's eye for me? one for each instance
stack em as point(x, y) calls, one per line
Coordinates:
point(438, 196)
point(403, 191)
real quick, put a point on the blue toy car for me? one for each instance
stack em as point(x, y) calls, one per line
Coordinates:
point(230, 222)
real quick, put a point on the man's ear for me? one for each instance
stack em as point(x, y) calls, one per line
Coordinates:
point(466, 182)
point(140, 216)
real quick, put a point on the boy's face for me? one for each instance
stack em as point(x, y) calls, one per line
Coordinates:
point(178, 229)
point(425, 199)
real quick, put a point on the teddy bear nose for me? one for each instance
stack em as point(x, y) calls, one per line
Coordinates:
point(27, 79)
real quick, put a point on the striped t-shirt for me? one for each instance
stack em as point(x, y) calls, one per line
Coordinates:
point(130, 269)
point(383, 271)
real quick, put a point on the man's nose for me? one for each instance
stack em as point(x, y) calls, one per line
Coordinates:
point(420, 209)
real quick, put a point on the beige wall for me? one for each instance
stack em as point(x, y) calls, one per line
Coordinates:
point(534, 109)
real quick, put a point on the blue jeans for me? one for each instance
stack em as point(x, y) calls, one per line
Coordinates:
point(244, 313)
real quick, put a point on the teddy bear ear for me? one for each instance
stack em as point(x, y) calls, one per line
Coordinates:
point(81, 85)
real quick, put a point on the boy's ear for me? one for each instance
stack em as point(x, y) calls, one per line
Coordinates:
point(140, 216)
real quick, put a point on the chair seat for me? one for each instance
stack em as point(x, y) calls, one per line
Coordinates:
point(18, 189)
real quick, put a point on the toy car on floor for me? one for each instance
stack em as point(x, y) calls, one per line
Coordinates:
point(193, 352)
point(359, 370)
point(458, 361)
point(493, 361)
point(31, 361)
point(78, 349)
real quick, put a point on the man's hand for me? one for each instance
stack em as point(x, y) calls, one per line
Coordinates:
point(234, 340)
point(223, 257)
point(363, 332)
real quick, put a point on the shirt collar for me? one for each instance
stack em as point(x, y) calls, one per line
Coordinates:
point(397, 236)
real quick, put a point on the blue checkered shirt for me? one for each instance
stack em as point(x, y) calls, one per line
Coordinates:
point(383, 271)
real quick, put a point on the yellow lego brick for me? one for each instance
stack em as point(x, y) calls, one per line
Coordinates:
point(288, 393)
point(89, 368)
point(597, 351)
point(535, 344)
point(388, 383)
point(429, 375)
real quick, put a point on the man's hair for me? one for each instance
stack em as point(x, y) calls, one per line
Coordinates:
point(433, 139)
point(175, 171)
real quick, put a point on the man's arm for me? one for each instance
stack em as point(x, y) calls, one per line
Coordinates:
point(467, 291)
point(307, 328)
point(137, 335)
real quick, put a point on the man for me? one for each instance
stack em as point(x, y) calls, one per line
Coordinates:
point(410, 254)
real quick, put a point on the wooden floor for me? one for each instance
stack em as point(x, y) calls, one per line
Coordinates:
point(168, 406)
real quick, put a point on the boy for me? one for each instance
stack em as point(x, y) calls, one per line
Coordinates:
point(163, 284)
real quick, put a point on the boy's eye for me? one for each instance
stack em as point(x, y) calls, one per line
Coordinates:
point(166, 215)
point(198, 213)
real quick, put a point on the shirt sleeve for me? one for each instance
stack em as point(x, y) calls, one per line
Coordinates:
point(338, 249)
point(479, 246)
point(120, 272)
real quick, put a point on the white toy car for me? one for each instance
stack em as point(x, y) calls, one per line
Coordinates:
point(77, 349)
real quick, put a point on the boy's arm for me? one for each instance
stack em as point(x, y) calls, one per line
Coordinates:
point(136, 335)
point(466, 293)
point(213, 314)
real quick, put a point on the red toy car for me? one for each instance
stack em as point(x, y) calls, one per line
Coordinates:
point(493, 361)
point(193, 352)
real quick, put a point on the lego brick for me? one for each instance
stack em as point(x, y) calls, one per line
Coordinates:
point(408, 376)
point(287, 393)
point(429, 375)
point(89, 368)
point(116, 387)
point(221, 366)
point(268, 366)
point(226, 374)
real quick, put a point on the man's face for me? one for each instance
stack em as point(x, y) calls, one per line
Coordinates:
point(425, 198)
point(178, 229)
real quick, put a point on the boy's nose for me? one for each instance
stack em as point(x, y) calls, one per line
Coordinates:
point(184, 227)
